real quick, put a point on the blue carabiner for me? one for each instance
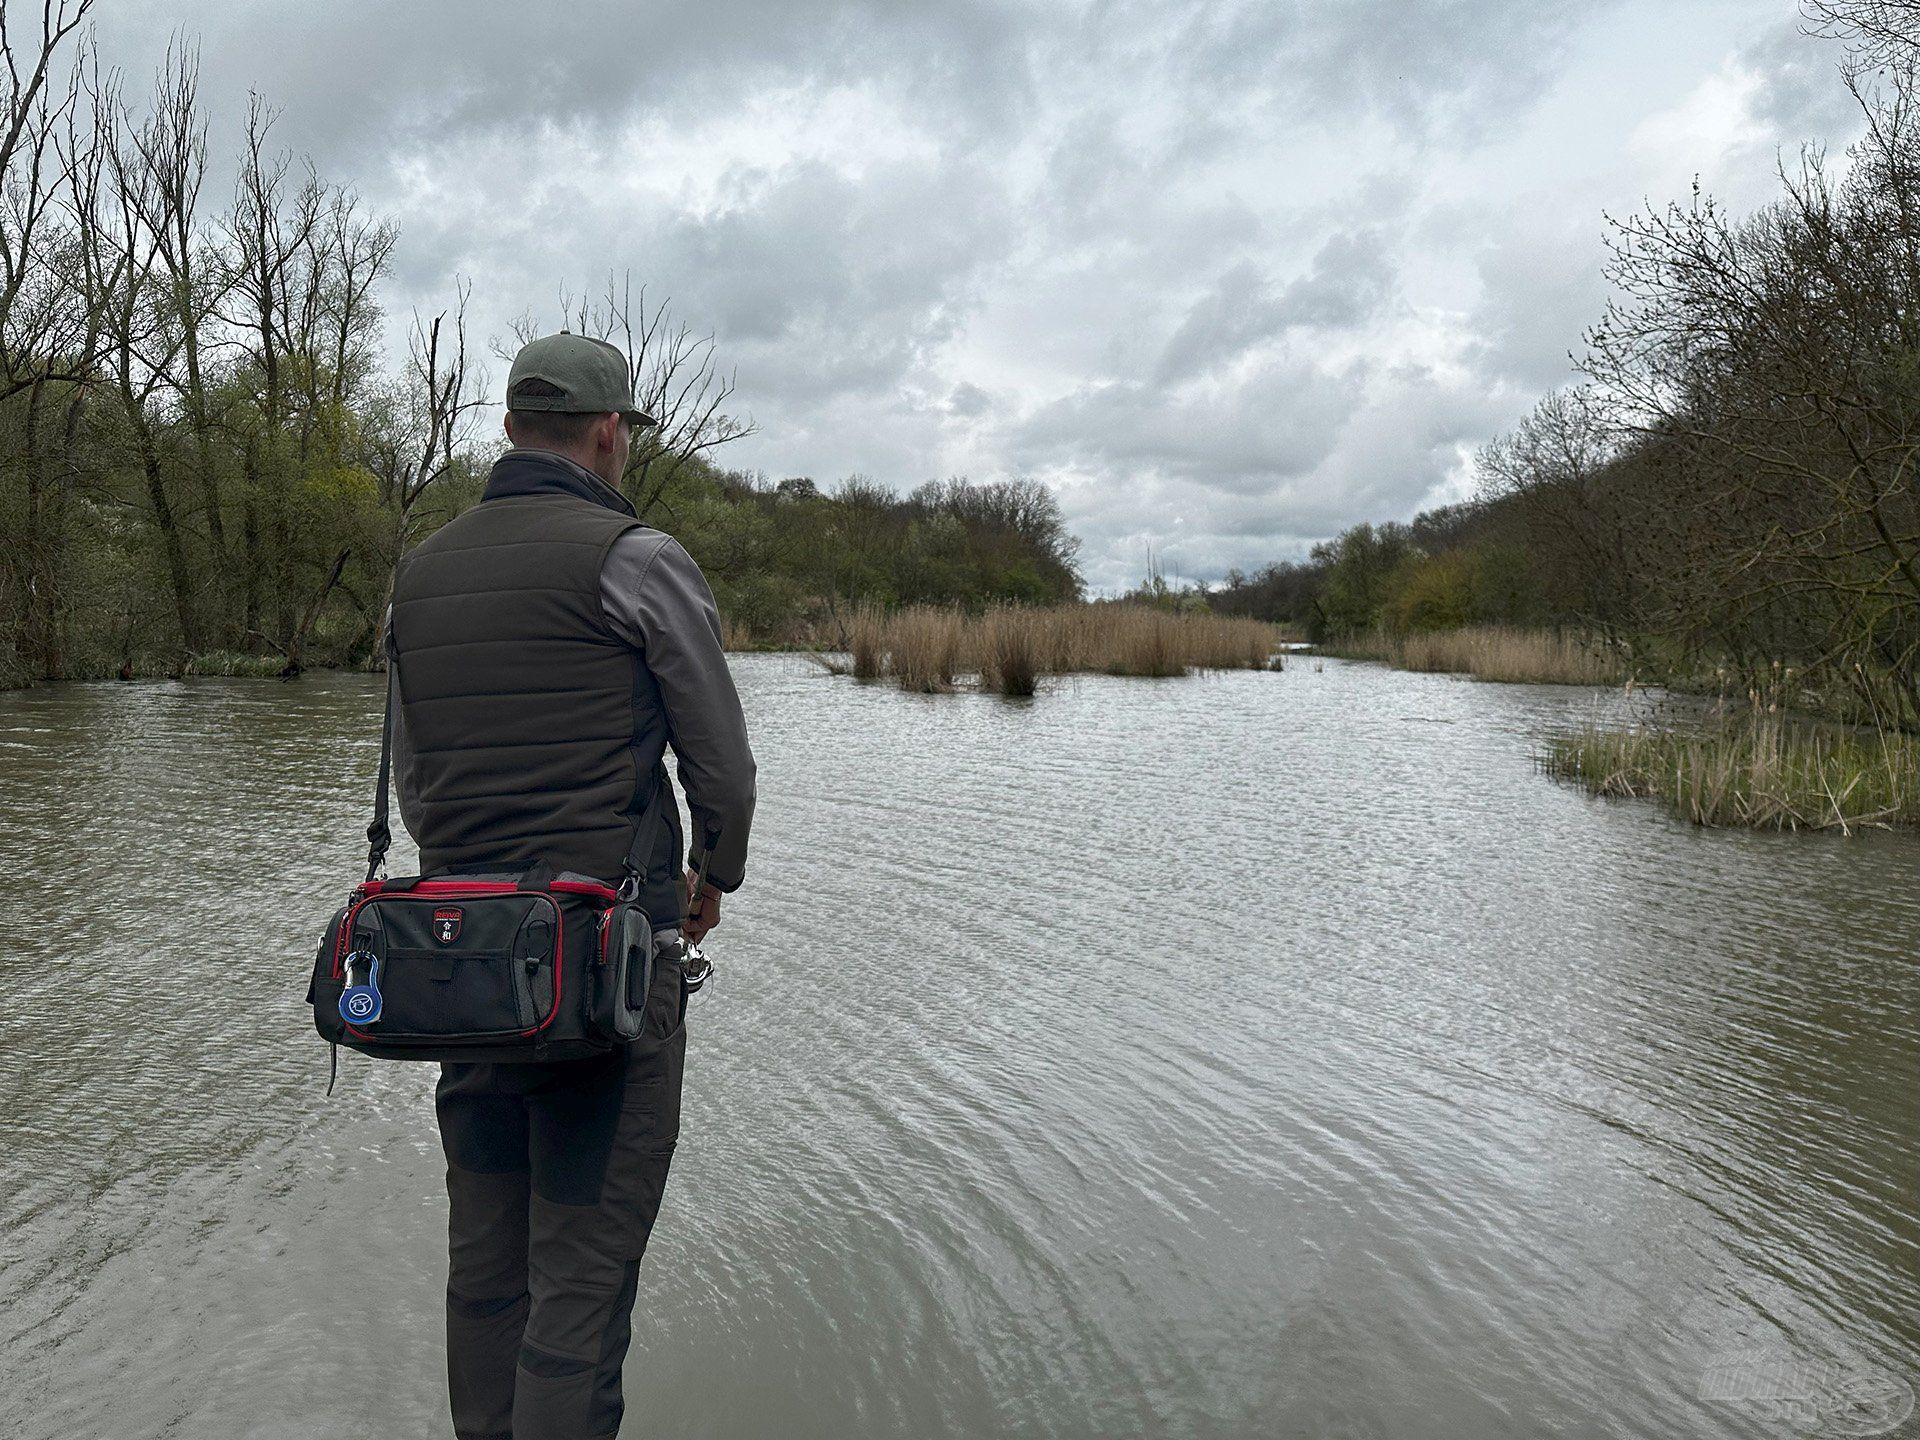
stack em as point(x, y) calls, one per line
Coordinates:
point(360, 1004)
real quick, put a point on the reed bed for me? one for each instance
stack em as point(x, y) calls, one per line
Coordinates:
point(1010, 644)
point(867, 641)
point(1767, 770)
point(1143, 640)
point(923, 648)
point(926, 648)
point(1494, 652)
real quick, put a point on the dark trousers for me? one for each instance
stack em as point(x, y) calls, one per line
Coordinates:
point(554, 1177)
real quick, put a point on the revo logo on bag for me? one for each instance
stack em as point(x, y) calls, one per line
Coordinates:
point(446, 924)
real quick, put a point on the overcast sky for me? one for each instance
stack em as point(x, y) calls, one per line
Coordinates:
point(1229, 276)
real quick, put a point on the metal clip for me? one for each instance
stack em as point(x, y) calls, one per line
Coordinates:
point(360, 1004)
point(695, 968)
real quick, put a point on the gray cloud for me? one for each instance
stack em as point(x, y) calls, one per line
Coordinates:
point(1798, 94)
point(1448, 68)
point(968, 400)
point(1541, 286)
point(1230, 275)
point(356, 77)
point(1347, 283)
point(1277, 421)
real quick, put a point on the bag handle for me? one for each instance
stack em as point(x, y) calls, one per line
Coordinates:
point(380, 834)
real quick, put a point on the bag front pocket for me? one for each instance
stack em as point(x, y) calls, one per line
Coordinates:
point(426, 992)
point(458, 964)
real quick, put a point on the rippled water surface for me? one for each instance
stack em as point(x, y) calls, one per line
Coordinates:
point(1251, 1055)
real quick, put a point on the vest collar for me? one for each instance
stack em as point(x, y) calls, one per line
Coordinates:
point(522, 471)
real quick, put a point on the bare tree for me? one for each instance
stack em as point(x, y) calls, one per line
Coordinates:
point(432, 415)
point(419, 433)
point(48, 331)
point(1766, 365)
point(192, 280)
point(39, 326)
point(271, 229)
point(1878, 33)
point(122, 225)
point(1563, 466)
point(360, 249)
point(676, 379)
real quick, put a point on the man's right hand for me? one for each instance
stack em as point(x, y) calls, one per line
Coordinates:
point(703, 909)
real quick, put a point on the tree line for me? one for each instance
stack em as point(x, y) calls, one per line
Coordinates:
point(790, 563)
point(1730, 487)
point(208, 461)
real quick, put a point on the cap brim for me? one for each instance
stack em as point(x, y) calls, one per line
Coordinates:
point(640, 420)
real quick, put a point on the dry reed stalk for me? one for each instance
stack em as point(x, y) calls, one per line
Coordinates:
point(1013, 640)
point(867, 640)
point(1140, 640)
point(1146, 640)
point(1495, 652)
point(1226, 642)
point(1074, 628)
point(923, 646)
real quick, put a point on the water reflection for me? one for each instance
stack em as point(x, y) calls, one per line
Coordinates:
point(1271, 1054)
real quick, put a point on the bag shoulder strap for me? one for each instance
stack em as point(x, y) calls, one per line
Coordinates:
point(634, 868)
point(379, 836)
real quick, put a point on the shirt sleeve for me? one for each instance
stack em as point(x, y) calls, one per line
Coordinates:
point(657, 600)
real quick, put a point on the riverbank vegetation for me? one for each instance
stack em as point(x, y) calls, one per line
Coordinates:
point(1008, 648)
point(1491, 652)
point(793, 566)
point(215, 444)
point(1732, 486)
point(1765, 769)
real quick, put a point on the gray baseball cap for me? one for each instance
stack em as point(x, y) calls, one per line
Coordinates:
point(574, 375)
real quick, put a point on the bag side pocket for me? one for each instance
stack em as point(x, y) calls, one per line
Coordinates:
point(323, 991)
point(626, 970)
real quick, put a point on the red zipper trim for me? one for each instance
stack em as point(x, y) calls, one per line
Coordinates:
point(371, 889)
point(367, 889)
point(447, 887)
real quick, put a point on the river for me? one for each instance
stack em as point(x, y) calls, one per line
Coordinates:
point(1245, 1055)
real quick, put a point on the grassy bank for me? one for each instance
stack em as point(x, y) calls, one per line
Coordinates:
point(1008, 648)
point(1764, 769)
point(234, 664)
point(1492, 652)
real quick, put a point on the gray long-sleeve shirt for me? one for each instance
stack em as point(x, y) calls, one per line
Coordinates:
point(657, 601)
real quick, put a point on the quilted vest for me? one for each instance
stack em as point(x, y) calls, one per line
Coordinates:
point(535, 733)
